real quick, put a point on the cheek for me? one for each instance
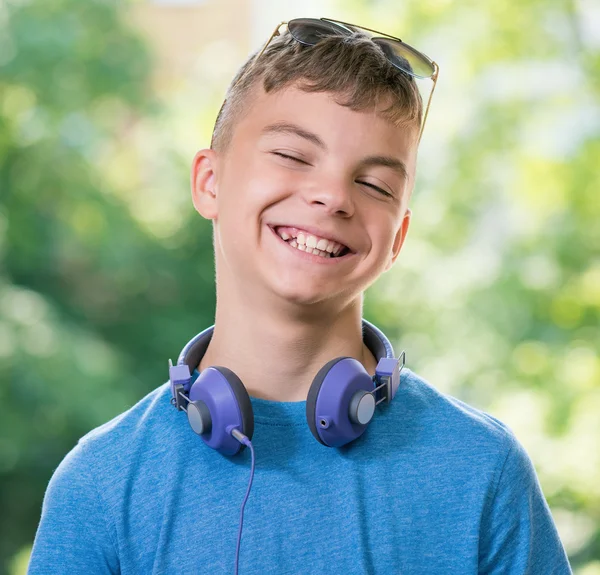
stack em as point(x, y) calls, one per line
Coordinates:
point(242, 202)
point(251, 184)
point(382, 236)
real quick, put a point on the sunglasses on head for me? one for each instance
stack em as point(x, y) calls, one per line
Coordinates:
point(310, 31)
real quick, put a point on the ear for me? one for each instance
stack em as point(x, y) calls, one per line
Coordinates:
point(204, 183)
point(399, 239)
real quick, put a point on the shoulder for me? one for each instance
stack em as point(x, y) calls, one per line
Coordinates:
point(146, 412)
point(145, 429)
point(437, 418)
point(80, 512)
point(458, 447)
point(429, 405)
point(132, 447)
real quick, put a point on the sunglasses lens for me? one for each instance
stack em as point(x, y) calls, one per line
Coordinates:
point(405, 58)
point(310, 31)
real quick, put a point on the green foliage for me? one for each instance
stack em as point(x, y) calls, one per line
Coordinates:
point(91, 302)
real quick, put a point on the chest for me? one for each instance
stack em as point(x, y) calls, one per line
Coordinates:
point(361, 509)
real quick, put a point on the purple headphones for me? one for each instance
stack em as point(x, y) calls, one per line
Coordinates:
point(340, 404)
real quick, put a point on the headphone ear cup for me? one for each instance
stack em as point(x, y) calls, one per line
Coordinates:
point(313, 394)
point(220, 392)
point(339, 387)
point(243, 400)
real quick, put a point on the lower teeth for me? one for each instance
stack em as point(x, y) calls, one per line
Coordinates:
point(294, 244)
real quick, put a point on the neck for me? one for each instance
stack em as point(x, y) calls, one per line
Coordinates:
point(277, 354)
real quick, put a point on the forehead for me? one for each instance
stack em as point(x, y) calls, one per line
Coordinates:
point(339, 127)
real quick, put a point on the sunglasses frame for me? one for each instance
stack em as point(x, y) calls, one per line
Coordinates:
point(434, 74)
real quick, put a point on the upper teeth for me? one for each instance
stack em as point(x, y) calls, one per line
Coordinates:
point(313, 242)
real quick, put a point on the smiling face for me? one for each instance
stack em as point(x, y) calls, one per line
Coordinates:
point(297, 162)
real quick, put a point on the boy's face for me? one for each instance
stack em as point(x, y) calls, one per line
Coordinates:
point(250, 190)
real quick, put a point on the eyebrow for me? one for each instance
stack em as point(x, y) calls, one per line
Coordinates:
point(378, 160)
point(295, 130)
point(388, 162)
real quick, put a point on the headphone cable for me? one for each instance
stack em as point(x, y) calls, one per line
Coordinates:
point(243, 439)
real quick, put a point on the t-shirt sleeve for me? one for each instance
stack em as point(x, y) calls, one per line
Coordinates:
point(74, 534)
point(518, 535)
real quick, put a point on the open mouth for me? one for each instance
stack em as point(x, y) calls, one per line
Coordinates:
point(303, 241)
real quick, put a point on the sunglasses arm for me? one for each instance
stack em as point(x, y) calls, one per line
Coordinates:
point(434, 78)
point(275, 33)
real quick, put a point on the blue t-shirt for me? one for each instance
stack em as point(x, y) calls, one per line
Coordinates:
point(433, 486)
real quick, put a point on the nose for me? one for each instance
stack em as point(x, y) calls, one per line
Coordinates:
point(333, 196)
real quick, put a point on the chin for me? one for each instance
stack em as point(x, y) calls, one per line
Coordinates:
point(294, 295)
point(300, 294)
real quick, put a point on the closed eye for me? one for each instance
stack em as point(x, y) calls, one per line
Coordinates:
point(376, 188)
point(285, 156)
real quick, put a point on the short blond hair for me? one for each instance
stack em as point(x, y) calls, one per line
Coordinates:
point(352, 67)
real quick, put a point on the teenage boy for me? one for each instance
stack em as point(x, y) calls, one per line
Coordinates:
point(307, 185)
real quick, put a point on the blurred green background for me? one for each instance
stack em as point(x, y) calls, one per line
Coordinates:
point(106, 270)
